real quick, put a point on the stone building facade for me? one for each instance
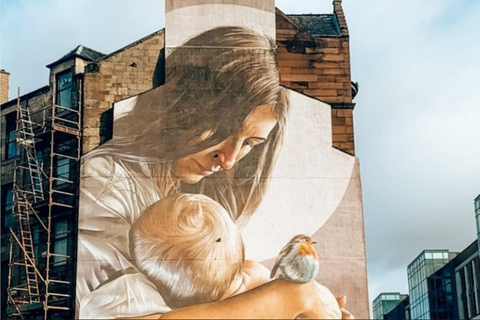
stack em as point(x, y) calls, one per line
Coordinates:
point(4, 86)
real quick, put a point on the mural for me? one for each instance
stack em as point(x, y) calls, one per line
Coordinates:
point(207, 177)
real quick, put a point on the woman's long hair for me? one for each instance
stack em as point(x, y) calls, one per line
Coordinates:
point(213, 83)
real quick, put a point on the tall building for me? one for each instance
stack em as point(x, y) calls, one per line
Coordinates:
point(45, 132)
point(442, 284)
point(385, 302)
point(428, 262)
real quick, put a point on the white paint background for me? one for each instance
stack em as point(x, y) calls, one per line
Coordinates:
point(307, 184)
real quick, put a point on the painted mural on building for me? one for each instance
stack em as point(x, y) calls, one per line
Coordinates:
point(207, 177)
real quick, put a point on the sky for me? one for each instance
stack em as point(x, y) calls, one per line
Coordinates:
point(417, 116)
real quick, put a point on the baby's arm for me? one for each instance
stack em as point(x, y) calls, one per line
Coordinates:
point(254, 275)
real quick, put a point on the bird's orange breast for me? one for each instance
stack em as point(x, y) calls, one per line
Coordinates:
point(307, 250)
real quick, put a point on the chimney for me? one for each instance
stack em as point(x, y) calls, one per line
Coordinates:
point(4, 86)
point(342, 22)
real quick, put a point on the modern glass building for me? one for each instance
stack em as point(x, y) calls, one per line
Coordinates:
point(385, 302)
point(401, 311)
point(467, 278)
point(442, 293)
point(427, 263)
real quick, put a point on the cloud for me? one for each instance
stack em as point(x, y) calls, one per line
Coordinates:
point(416, 128)
point(45, 31)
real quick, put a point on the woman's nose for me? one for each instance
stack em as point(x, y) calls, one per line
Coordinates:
point(227, 154)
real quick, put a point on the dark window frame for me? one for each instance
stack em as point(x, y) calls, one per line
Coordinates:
point(7, 205)
point(11, 148)
point(60, 237)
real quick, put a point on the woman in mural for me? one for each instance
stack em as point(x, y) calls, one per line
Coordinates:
point(214, 128)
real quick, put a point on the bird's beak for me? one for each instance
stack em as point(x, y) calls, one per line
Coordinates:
point(314, 242)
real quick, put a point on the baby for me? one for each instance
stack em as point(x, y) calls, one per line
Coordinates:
point(190, 248)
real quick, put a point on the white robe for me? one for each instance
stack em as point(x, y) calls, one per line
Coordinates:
point(112, 196)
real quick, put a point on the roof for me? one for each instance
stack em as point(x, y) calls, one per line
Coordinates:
point(80, 52)
point(26, 96)
point(325, 25)
point(131, 44)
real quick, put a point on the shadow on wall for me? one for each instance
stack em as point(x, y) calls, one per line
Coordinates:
point(106, 118)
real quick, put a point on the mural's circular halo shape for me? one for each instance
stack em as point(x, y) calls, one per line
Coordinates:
point(199, 19)
point(308, 182)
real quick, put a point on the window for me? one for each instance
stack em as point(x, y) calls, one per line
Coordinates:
point(63, 168)
point(64, 89)
point(11, 148)
point(60, 245)
point(7, 206)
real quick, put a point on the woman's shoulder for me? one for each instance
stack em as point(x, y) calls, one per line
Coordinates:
point(97, 174)
point(96, 165)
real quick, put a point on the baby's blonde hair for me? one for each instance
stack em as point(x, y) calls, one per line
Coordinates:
point(189, 247)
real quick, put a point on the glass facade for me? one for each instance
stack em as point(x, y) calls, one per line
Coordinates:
point(468, 288)
point(427, 263)
point(384, 303)
point(401, 311)
point(442, 293)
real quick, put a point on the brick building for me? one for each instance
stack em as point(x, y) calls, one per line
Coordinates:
point(45, 132)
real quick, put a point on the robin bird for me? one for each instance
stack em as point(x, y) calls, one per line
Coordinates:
point(298, 260)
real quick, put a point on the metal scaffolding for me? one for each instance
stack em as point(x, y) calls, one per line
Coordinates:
point(45, 185)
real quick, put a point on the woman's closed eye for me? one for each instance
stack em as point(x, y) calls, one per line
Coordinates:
point(253, 141)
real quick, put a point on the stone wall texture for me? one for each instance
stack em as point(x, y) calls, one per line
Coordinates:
point(124, 73)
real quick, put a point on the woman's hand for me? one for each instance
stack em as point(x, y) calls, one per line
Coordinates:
point(342, 300)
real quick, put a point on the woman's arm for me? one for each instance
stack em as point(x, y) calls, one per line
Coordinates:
point(278, 299)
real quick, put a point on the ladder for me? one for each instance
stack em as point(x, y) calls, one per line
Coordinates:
point(28, 190)
point(25, 240)
point(26, 138)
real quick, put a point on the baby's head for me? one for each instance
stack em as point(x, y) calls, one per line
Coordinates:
point(189, 247)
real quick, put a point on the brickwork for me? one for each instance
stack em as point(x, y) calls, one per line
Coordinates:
point(127, 72)
point(4, 86)
point(319, 67)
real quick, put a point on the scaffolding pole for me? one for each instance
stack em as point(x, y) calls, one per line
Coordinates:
point(32, 285)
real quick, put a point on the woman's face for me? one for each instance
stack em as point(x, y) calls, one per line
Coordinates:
point(223, 156)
